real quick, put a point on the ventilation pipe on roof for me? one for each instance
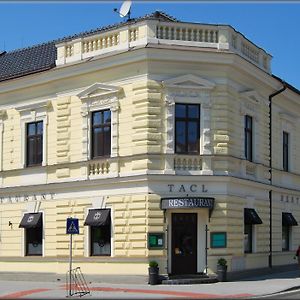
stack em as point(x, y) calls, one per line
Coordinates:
point(270, 166)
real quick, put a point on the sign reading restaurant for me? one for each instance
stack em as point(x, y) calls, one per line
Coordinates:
point(187, 202)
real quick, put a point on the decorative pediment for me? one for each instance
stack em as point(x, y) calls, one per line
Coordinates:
point(288, 117)
point(33, 105)
point(99, 90)
point(189, 81)
point(253, 96)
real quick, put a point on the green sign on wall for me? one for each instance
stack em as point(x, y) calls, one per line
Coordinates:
point(218, 240)
point(155, 240)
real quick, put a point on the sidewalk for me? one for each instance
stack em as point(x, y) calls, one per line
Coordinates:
point(46, 286)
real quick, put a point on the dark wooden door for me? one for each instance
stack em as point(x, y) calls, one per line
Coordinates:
point(184, 243)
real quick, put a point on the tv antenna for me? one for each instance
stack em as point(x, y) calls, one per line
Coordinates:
point(124, 10)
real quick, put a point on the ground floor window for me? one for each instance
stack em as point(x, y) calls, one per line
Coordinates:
point(100, 240)
point(285, 237)
point(251, 218)
point(99, 222)
point(33, 226)
point(288, 221)
point(34, 241)
point(248, 238)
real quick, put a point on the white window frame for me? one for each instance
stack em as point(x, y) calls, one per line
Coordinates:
point(29, 113)
point(188, 89)
point(288, 122)
point(99, 97)
point(2, 116)
point(252, 103)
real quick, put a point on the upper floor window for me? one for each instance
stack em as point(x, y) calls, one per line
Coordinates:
point(187, 128)
point(101, 133)
point(285, 143)
point(248, 137)
point(34, 143)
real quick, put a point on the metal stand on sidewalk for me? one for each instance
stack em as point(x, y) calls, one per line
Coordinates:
point(76, 283)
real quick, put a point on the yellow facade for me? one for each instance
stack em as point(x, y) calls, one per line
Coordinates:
point(140, 87)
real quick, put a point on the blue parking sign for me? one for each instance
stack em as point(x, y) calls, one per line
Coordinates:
point(72, 226)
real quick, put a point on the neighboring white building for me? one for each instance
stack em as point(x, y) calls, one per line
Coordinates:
point(155, 134)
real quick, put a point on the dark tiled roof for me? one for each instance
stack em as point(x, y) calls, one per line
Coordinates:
point(42, 57)
point(27, 61)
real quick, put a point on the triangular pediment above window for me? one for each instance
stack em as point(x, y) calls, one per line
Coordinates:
point(189, 81)
point(252, 95)
point(98, 90)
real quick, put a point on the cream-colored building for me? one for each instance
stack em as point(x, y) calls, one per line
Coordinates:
point(154, 133)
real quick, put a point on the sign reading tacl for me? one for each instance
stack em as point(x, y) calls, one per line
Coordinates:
point(187, 202)
point(186, 188)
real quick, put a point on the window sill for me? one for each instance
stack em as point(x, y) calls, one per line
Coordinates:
point(35, 165)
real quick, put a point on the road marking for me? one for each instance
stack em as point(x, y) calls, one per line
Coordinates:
point(23, 293)
point(136, 291)
point(170, 293)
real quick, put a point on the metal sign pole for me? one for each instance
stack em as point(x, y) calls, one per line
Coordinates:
point(70, 270)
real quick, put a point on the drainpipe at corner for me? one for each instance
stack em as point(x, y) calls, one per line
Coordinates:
point(270, 166)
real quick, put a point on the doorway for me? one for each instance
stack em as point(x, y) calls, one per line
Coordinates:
point(184, 243)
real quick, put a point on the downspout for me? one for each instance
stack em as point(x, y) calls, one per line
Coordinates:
point(270, 167)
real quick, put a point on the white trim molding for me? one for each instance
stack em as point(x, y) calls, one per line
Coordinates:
point(3, 115)
point(251, 104)
point(98, 97)
point(193, 90)
point(33, 112)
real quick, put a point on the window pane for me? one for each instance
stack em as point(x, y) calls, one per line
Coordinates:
point(285, 237)
point(31, 146)
point(180, 136)
point(97, 118)
point(180, 110)
point(34, 241)
point(39, 149)
point(106, 141)
point(97, 142)
point(285, 151)
point(100, 240)
point(31, 129)
point(193, 111)
point(106, 116)
point(247, 238)
point(248, 122)
point(39, 127)
point(193, 137)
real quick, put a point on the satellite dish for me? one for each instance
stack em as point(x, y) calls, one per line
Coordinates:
point(125, 9)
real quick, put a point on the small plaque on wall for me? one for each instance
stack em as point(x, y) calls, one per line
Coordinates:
point(155, 240)
point(218, 240)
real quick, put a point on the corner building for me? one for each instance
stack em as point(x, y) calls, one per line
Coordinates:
point(154, 133)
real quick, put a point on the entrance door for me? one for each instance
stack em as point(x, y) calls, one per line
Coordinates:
point(184, 243)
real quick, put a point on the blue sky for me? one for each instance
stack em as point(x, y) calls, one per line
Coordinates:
point(274, 26)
